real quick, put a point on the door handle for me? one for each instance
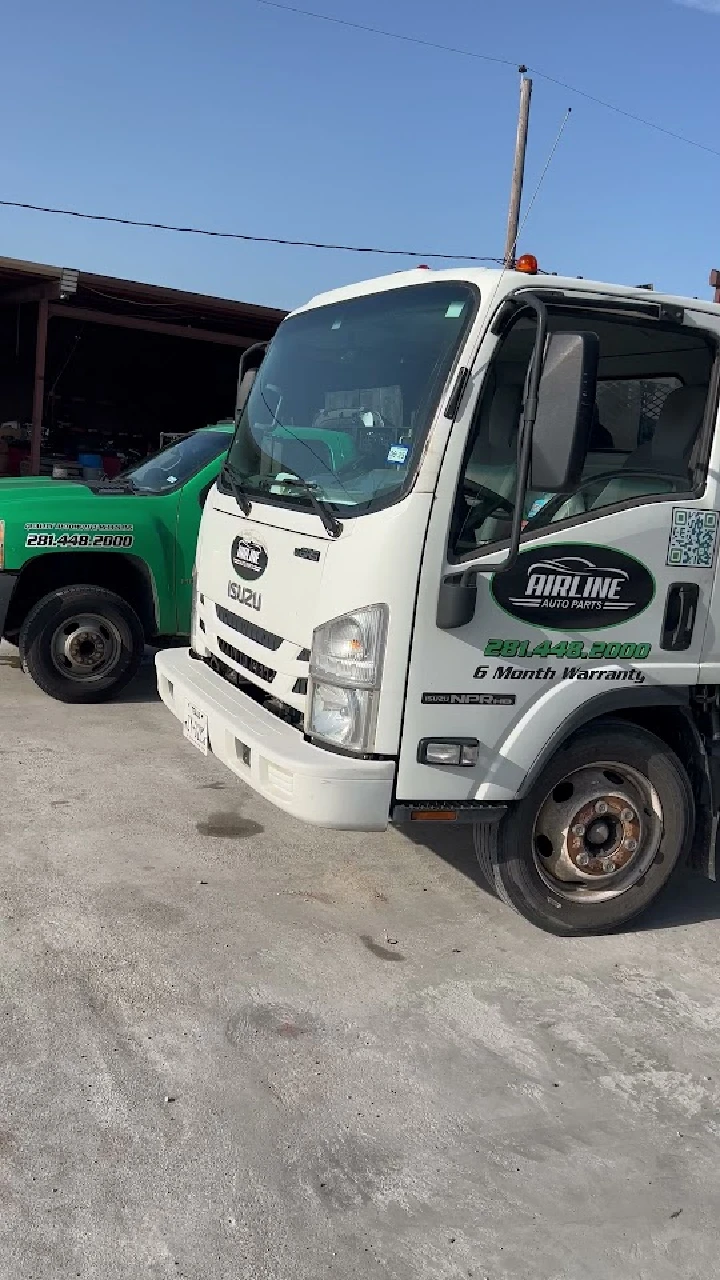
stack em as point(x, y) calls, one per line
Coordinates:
point(680, 613)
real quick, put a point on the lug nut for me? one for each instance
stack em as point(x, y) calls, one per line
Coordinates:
point(631, 845)
point(627, 815)
point(578, 829)
point(583, 859)
point(608, 866)
point(601, 807)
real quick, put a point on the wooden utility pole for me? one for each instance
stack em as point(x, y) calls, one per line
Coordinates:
point(518, 168)
point(715, 284)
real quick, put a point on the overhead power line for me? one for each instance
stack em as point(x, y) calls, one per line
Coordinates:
point(487, 57)
point(390, 35)
point(241, 235)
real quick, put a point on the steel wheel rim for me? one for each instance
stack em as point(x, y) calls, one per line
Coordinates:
point(597, 832)
point(85, 647)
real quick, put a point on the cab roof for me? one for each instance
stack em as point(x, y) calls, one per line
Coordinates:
point(496, 281)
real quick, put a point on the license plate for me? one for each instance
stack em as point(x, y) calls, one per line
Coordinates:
point(195, 728)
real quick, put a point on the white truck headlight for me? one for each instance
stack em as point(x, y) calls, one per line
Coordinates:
point(339, 715)
point(345, 669)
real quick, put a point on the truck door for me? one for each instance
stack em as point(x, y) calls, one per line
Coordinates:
point(607, 602)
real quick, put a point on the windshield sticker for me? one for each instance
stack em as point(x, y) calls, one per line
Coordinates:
point(693, 535)
point(454, 310)
point(574, 587)
point(104, 536)
point(599, 651)
point(398, 453)
point(469, 699)
point(536, 507)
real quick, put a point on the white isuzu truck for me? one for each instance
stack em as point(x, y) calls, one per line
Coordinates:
point(461, 567)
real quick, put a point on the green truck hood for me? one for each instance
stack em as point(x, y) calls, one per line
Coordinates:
point(42, 488)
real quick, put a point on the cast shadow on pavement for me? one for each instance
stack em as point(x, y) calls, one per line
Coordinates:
point(144, 686)
point(690, 899)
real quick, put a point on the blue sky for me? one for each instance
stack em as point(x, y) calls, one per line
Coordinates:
point(232, 115)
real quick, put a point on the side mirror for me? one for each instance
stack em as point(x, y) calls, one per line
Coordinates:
point(565, 404)
point(249, 365)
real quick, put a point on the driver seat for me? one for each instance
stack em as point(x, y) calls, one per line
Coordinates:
point(669, 450)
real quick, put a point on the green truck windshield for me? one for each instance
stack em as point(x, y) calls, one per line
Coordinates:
point(173, 466)
point(344, 397)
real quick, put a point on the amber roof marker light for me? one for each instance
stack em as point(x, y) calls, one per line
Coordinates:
point(528, 264)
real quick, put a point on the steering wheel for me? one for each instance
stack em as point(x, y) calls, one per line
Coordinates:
point(550, 508)
point(479, 513)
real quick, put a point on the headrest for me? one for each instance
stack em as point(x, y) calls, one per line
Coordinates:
point(678, 423)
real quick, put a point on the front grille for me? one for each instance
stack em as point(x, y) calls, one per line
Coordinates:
point(244, 660)
point(249, 629)
point(289, 714)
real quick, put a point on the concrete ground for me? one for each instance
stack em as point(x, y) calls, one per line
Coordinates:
point(234, 1047)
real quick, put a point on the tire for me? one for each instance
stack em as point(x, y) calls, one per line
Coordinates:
point(69, 621)
point(546, 858)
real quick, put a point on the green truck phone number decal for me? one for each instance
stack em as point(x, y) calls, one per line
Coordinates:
point(79, 540)
point(79, 535)
point(600, 650)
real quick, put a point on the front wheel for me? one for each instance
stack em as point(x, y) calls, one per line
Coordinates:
point(82, 644)
point(598, 835)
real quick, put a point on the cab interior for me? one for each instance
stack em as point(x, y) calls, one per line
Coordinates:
point(652, 390)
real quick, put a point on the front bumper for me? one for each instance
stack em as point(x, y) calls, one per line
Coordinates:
point(317, 786)
point(7, 586)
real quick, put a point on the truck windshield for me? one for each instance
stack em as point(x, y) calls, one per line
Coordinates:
point(172, 467)
point(344, 397)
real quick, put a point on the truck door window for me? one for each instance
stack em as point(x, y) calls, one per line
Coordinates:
point(650, 407)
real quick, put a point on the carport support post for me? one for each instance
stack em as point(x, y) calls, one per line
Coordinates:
point(39, 386)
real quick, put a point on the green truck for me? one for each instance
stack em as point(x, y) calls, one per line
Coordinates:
point(90, 574)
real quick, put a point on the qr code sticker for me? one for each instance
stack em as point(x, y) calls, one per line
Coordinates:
point(692, 538)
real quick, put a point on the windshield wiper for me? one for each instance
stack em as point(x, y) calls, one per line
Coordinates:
point(331, 524)
point(121, 484)
point(229, 477)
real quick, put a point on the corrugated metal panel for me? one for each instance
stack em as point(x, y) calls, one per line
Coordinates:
point(137, 299)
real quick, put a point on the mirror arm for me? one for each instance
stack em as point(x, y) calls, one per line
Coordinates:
point(527, 423)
